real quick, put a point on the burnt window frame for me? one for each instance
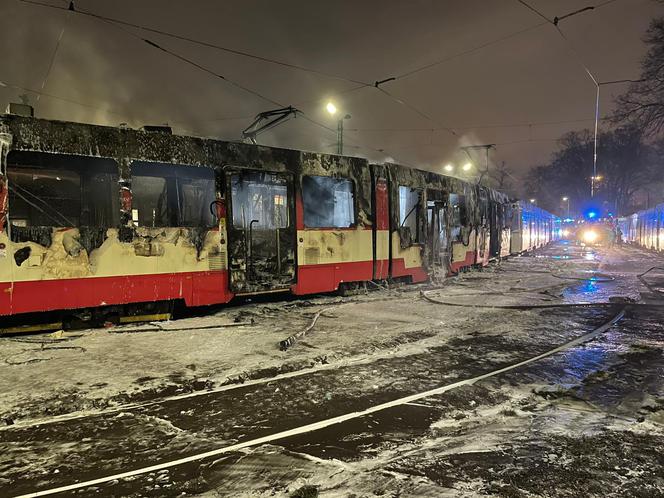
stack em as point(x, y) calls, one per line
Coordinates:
point(353, 224)
point(174, 191)
point(461, 208)
point(240, 171)
point(418, 237)
point(84, 169)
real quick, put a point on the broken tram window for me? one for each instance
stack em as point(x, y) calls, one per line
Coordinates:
point(60, 190)
point(409, 211)
point(328, 202)
point(259, 197)
point(168, 195)
point(459, 217)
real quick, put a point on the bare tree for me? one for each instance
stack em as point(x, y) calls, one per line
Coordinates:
point(501, 177)
point(627, 164)
point(643, 103)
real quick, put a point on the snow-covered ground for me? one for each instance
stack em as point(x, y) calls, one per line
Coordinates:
point(586, 421)
point(92, 369)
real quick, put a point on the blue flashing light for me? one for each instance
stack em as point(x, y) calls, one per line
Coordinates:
point(591, 214)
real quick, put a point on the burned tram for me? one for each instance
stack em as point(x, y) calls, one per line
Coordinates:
point(101, 223)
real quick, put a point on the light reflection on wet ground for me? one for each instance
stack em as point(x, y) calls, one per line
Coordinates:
point(548, 426)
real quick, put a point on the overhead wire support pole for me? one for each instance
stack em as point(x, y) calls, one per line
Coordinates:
point(592, 179)
point(599, 84)
point(555, 22)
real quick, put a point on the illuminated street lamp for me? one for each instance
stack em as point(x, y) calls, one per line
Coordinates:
point(332, 110)
point(467, 167)
point(532, 201)
point(566, 199)
point(449, 168)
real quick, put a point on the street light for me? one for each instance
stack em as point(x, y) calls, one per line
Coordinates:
point(449, 168)
point(467, 166)
point(332, 110)
point(566, 199)
point(532, 201)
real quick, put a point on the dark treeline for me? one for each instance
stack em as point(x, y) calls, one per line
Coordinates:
point(630, 165)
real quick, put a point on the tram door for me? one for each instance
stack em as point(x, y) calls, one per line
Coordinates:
point(438, 251)
point(261, 232)
point(495, 227)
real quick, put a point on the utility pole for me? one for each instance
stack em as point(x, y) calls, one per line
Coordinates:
point(340, 135)
point(332, 110)
point(598, 85)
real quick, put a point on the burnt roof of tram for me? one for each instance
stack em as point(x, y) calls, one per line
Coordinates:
point(129, 144)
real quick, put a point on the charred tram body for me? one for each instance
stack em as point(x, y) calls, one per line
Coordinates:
point(99, 223)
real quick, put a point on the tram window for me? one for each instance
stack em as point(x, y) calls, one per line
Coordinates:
point(259, 197)
point(459, 214)
point(149, 203)
point(328, 202)
point(61, 190)
point(409, 210)
point(171, 195)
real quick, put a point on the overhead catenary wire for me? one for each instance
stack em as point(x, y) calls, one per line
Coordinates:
point(195, 64)
point(528, 6)
point(57, 97)
point(555, 23)
point(54, 54)
point(214, 73)
point(229, 50)
point(360, 84)
point(486, 126)
point(416, 110)
point(465, 52)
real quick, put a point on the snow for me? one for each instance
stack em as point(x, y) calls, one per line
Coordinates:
point(568, 411)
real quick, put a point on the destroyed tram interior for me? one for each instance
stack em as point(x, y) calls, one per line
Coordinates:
point(113, 225)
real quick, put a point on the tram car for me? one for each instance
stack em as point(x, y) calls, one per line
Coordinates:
point(116, 224)
point(645, 228)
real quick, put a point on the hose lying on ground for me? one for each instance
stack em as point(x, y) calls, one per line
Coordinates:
point(641, 278)
point(425, 295)
point(599, 278)
point(322, 424)
point(162, 329)
point(289, 341)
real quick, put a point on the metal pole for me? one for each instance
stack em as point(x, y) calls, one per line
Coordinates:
point(568, 207)
point(592, 179)
point(340, 137)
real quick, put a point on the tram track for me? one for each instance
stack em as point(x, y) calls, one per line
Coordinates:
point(318, 425)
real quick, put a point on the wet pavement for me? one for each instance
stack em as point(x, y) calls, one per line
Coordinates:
point(583, 422)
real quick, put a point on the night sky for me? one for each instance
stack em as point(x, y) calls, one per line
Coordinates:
point(531, 77)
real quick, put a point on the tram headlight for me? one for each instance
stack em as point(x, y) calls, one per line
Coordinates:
point(590, 236)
